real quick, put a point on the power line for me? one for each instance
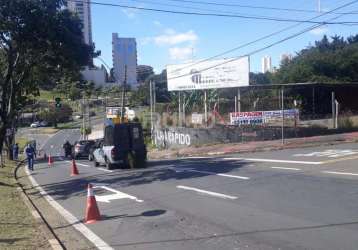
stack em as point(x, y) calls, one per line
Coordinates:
point(212, 14)
point(255, 7)
point(270, 45)
point(265, 37)
point(189, 7)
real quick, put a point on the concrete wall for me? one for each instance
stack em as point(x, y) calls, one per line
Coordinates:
point(177, 137)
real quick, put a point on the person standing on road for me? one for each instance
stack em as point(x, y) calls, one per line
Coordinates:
point(30, 154)
point(67, 148)
point(15, 152)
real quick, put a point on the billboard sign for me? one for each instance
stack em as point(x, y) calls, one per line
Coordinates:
point(213, 74)
point(113, 112)
point(197, 118)
point(261, 117)
point(246, 118)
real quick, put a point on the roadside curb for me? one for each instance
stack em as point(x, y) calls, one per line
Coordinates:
point(54, 241)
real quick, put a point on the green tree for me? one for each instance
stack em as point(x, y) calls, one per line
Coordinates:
point(40, 41)
point(331, 60)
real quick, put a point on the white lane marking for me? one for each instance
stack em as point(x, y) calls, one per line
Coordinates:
point(330, 153)
point(79, 164)
point(224, 196)
point(213, 173)
point(340, 173)
point(116, 196)
point(88, 166)
point(71, 219)
point(84, 165)
point(277, 161)
point(105, 170)
point(294, 169)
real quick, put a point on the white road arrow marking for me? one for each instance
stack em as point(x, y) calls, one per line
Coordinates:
point(224, 196)
point(116, 196)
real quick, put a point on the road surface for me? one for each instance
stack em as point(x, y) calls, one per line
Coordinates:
point(287, 199)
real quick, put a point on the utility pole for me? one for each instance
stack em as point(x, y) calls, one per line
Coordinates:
point(124, 92)
point(283, 117)
point(333, 110)
point(151, 109)
point(83, 118)
point(179, 109)
point(206, 107)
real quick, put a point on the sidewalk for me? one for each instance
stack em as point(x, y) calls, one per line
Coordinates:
point(254, 146)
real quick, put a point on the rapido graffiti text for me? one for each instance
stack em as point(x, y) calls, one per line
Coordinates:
point(169, 137)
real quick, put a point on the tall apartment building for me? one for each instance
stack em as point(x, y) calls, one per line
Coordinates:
point(83, 9)
point(124, 53)
point(285, 57)
point(266, 64)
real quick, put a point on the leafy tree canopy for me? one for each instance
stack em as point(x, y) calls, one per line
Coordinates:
point(329, 60)
point(40, 41)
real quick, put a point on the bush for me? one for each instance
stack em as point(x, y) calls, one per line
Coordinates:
point(345, 122)
point(86, 131)
point(55, 115)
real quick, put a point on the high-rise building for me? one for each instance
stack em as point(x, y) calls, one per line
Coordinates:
point(266, 64)
point(83, 9)
point(143, 72)
point(124, 53)
point(285, 57)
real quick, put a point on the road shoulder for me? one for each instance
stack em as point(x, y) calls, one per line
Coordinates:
point(68, 235)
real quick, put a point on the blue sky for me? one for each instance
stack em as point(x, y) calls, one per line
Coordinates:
point(164, 38)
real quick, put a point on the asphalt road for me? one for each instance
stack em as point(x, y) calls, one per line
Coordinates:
point(288, 199)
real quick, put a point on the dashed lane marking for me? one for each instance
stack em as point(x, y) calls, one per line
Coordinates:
point(88, 166)
point(340, 173)
point(224, 196)
point(293, 169)
point(212, 173)
point(276, 161)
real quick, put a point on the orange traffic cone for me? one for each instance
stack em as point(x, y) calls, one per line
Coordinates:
point(74, 170)
point(50, 160)
point(92, 211)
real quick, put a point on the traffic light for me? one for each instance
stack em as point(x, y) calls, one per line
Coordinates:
point(58, 102)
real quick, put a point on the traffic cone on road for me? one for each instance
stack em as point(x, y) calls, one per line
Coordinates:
point(74, 170)
point(50, 160)
point(92, 211)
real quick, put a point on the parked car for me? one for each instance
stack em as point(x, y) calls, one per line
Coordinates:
point(44, 124)
point(35, 125)
point(77, 117)
point(123, 145)
point(81, 148)
point(92, 148)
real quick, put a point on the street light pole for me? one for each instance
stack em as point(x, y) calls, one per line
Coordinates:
point(124, 92)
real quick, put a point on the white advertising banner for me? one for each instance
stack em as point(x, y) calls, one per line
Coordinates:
point(113, 112)
point(197, 118)
point(261, 117)
point(213, 74)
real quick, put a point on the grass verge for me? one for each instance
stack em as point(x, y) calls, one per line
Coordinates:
point(18, 228)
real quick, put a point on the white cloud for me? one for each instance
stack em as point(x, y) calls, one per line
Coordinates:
point(319, 31)
point(145, 40)
point(157, 23)
point(171, 37)
point(180, 53)
point(130, 13)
